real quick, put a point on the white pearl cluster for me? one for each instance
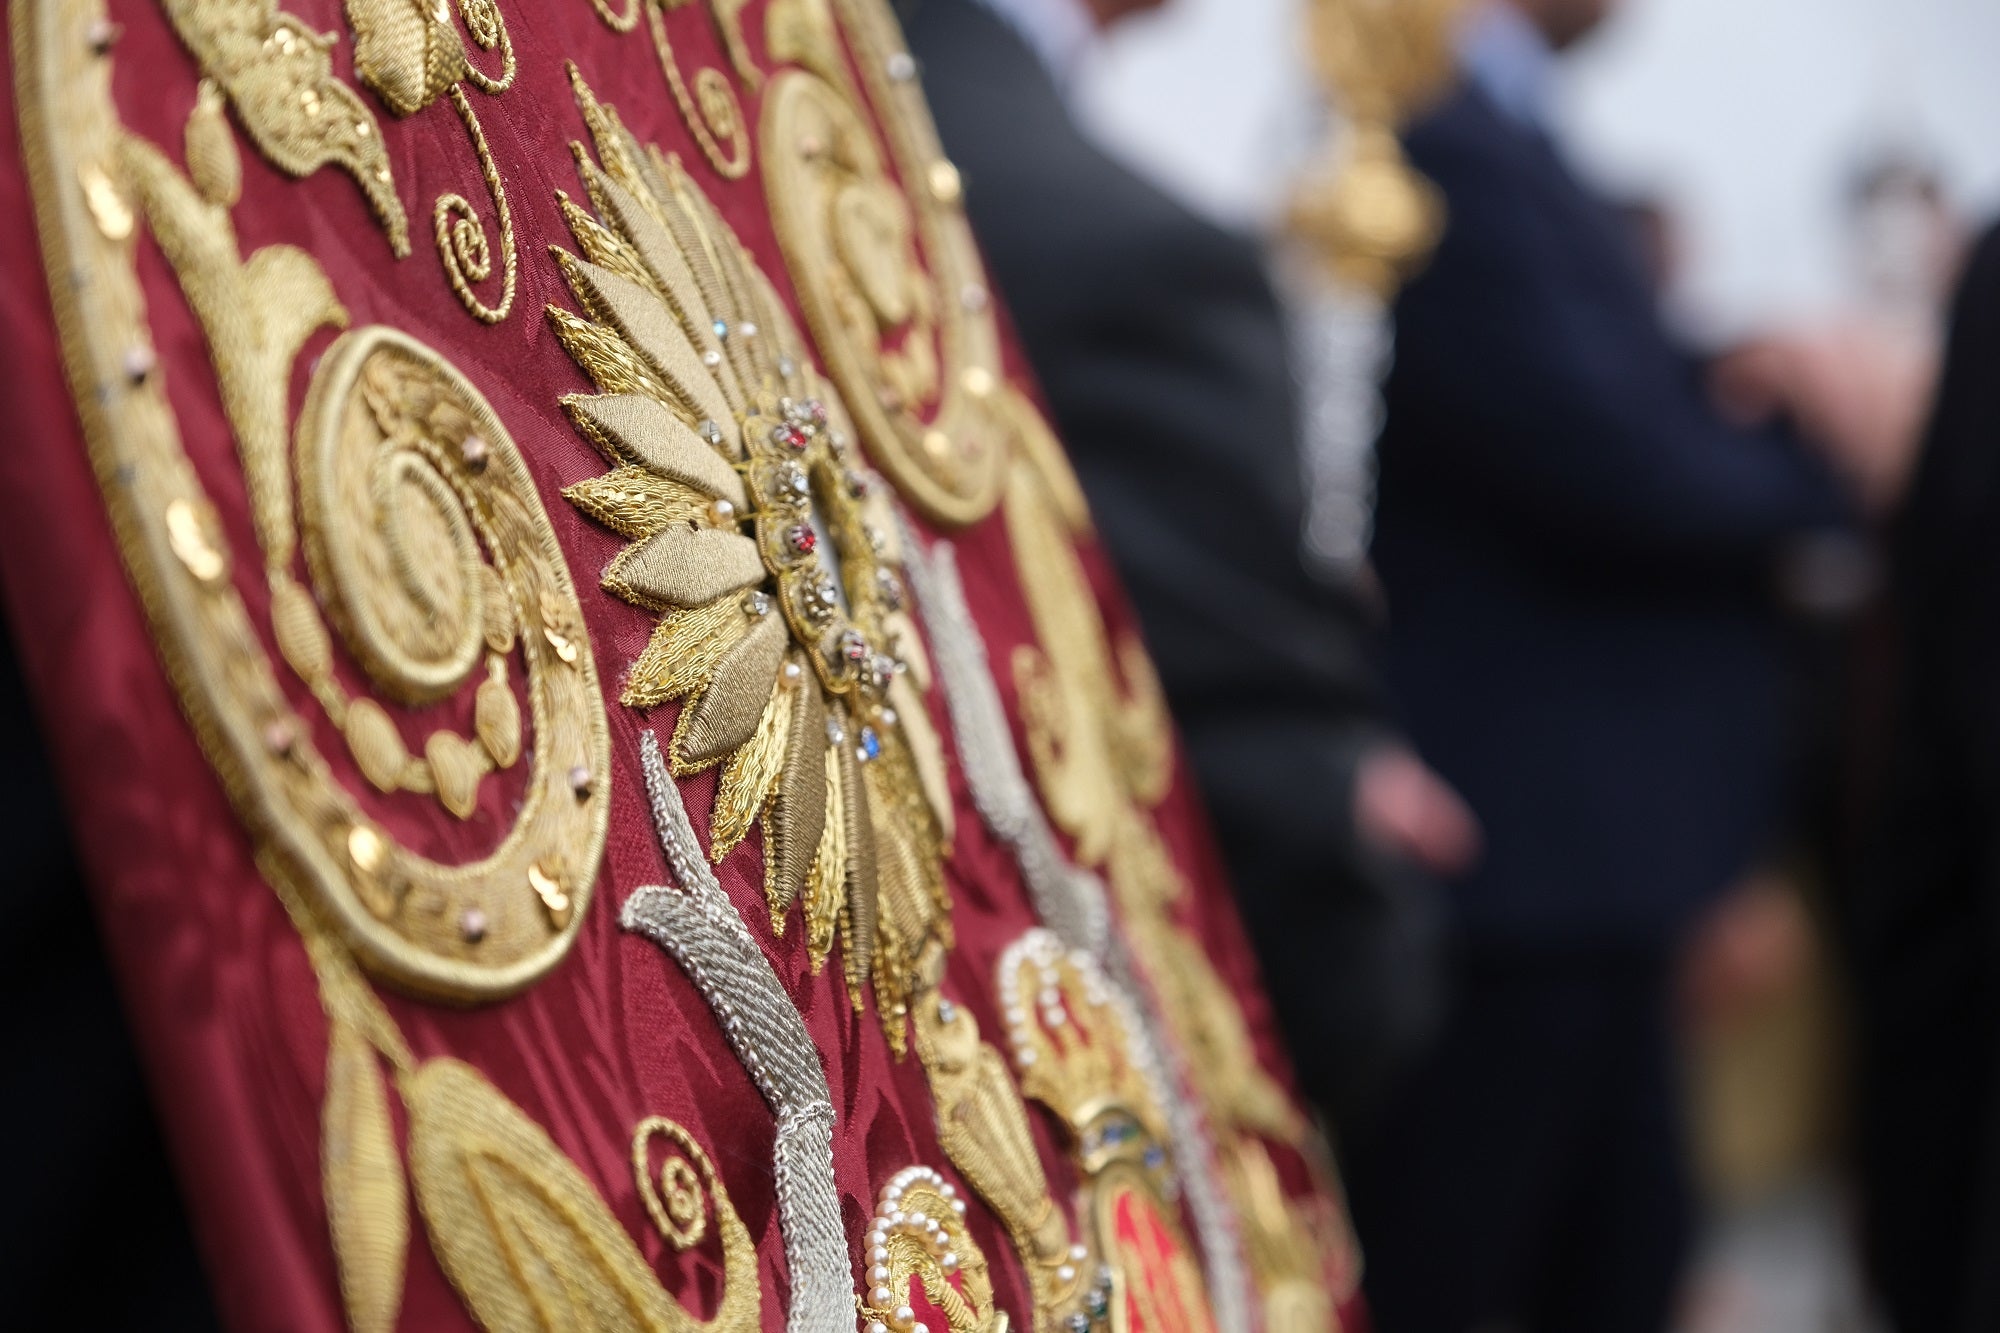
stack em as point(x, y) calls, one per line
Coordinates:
point(912, 1185)
point(1041, 950)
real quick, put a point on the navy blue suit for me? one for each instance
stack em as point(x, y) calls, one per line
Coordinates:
point(1580, 558)
point(1581, 562)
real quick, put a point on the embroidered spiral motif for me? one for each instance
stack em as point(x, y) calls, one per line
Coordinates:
point(678, 1202)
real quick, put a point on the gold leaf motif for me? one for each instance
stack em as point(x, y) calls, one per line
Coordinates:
point(683, 653)
point(367, 1208)
point(301, 634)
point(982, 1126)
point(795, 825)
point(727, 713)
point(277, 73)
point(406, 50)
point(497, 605)
point(456, 769)
point(376, 744)
point(496, 715)
point(636, 502)
point(212, 163)
point(523, 1235)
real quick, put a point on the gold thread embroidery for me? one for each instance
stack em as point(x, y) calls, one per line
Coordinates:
point(475, 1158)
point(464, 931)
point(276, 72)
point(711, 112)
point(911, 342)
point(920, 1238)
point(1073, 1039)
point(710, 109)
point(461, 237)
point(1102, 755)
point(983, 1128)
point(409, 52)
point(731, 469)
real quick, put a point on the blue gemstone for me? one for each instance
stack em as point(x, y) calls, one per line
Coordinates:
point(721, 329)
point(871, 744)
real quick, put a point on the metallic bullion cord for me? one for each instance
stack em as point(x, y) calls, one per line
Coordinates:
point(1070, 900)
point(700, 927)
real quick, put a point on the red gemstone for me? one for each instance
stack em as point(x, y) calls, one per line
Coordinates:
point(793, 437)
point(803, 539)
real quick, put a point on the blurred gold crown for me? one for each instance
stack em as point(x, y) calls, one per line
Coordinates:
point(1073, 1040)
point(1368, 214)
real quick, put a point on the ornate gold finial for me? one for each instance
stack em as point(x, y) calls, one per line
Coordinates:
point(1369, 215)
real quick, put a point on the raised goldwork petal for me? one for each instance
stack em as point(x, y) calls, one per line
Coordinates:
point(726, 714)
point(826, 884)
point(797, 820)
point(658, 251)
point(612, 366)
point(640, 430)
point(863, 917)
point(684, 567)
point(752, 771)
point(681, 655)
point(636, 503)
point(649, 328)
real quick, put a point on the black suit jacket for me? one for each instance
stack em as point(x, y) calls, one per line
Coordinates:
point(1925, 920)
point(1162, 352)
point(1579, 556)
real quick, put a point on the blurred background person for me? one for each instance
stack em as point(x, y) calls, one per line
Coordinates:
point(1162, 350)
point(1582, 557)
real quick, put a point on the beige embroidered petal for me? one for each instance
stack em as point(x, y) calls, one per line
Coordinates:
point(726, 714)
point(685, 567)
point(635, 427)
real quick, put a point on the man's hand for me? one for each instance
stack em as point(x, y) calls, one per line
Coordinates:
point(1403, 808)
point(1856, 392)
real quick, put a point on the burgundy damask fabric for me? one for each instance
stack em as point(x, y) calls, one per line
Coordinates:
point(221, 992)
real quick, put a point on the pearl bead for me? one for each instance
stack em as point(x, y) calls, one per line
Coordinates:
point(903, 1316)
point(1065, 1273)
point(879, 1274)
point(880, 1297)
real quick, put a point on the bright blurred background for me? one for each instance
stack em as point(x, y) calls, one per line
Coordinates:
point(1792, 160)
point(1750, 122)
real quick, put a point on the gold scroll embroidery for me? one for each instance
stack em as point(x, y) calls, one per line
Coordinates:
point(409, 52)
point(1098, 739)
point(426, 539)
point(889, 280)
point(767, 552)
point(710, 108)
point(516, 1226)
point(278, 75)
point(919, 1236)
